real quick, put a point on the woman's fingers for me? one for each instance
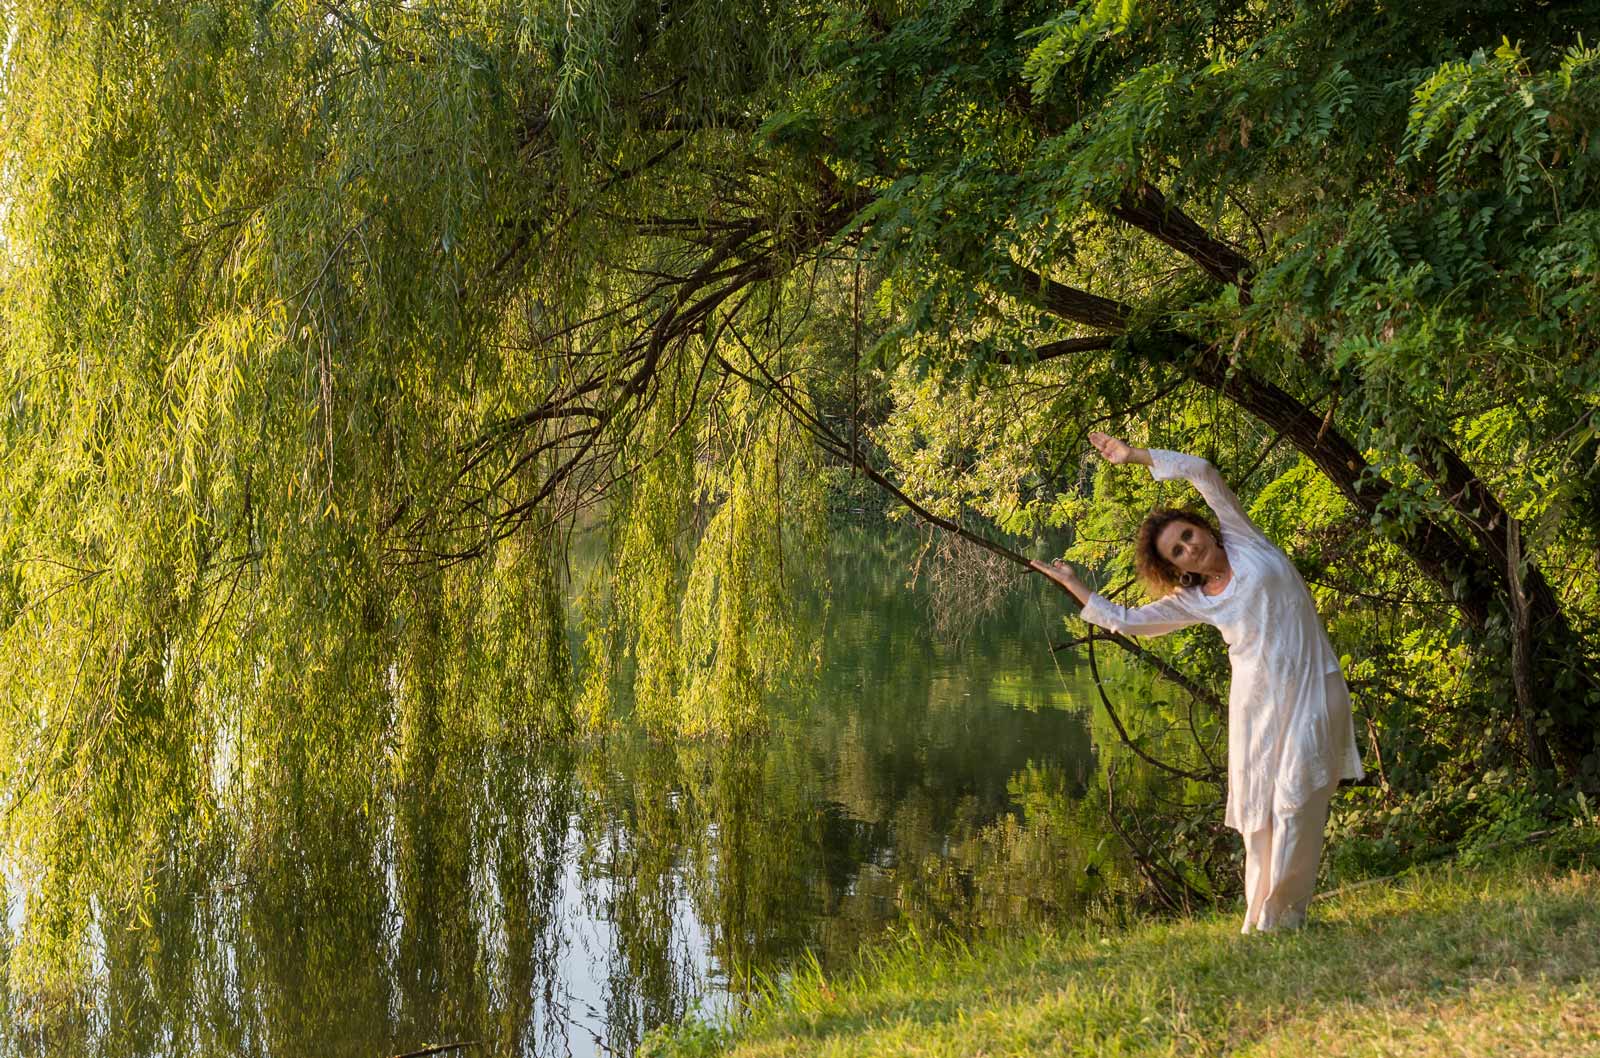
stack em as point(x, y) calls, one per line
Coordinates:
point(1056, 570)
point(1108, 446)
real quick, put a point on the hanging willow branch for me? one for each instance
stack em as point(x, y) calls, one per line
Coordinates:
point(837, 446)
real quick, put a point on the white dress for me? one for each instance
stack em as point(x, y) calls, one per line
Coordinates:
point(1289, 738)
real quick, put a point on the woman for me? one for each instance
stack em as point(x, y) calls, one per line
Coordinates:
point(1291, 737)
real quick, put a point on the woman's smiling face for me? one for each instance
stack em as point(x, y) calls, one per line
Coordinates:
point(1187, 546)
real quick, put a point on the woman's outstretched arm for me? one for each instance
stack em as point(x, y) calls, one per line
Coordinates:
point(1157, 619)
point(1165, 465)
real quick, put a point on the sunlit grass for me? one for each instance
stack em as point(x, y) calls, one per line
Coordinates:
point(1498, 959)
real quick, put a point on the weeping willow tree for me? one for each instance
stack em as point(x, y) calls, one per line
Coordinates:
point(326, 327)
point(326, 324)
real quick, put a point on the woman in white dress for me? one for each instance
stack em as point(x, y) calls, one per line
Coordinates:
point(1291, 737)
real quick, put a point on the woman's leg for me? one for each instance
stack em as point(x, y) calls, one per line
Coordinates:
point(1281, 858)
point(1296, 852)
point(1286, 853)
point(1257, 875)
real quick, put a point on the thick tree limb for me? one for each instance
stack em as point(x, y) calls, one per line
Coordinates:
point(1440, 553)
point(1147, 209)
point(1060, 348)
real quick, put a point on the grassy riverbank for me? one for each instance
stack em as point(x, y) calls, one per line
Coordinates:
point(1498, 959)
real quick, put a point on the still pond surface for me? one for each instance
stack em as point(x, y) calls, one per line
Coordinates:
point(563, 900)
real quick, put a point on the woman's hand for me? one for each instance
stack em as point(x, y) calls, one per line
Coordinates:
point(1116, 451)
point(1063, 575)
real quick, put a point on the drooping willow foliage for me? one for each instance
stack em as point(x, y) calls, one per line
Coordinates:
point(328, 327)
point(324, 335)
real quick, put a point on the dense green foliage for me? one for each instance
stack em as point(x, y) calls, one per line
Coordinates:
point(324, 325)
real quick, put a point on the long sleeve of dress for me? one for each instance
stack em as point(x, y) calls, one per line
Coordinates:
point(1160, 617)
point(1165, 465)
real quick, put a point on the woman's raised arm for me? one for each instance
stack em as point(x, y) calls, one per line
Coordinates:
point(1165, 465)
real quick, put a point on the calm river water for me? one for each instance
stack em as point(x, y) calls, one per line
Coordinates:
point(563, 901)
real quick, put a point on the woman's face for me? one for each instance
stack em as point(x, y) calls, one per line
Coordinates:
point(1189, 547)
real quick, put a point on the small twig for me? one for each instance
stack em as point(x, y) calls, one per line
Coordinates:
point(1327, 420)
point(437, 1049)
point(1260, 459)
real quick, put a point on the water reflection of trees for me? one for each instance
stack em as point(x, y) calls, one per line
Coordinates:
point(466, 883)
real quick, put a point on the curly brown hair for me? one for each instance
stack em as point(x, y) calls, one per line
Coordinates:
point(1160, 576)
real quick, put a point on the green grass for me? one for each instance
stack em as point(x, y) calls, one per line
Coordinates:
point(1497, 959)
